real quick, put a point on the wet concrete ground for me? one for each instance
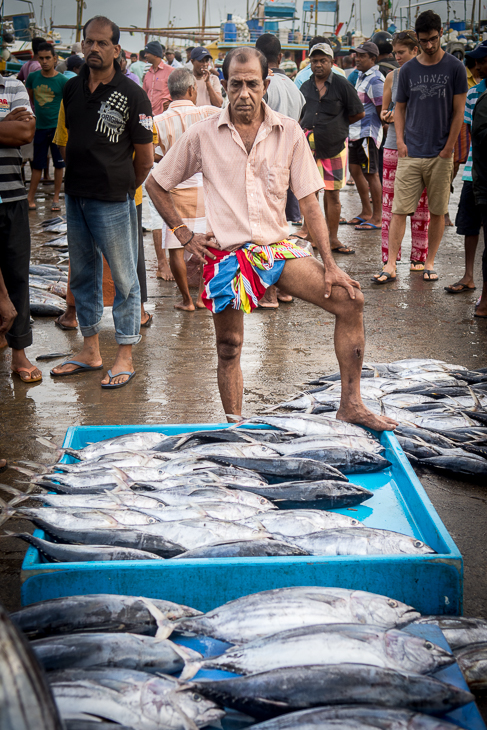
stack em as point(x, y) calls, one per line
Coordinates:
point(284, 348)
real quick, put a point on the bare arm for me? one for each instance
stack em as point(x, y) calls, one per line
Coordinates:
point(387, 117)
point(317, 227)
point(164, 204)
point(17, 128)
point(216, 98)
point(62, 150)
point(356, 117)
point(456, 124)
point(399, 123)
point(143, 159)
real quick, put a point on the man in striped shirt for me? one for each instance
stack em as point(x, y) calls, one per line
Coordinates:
point(469, 219)
point(249, 156)
point(188, 197)
point(17, 127)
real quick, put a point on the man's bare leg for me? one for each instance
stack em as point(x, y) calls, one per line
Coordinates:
point(229, 330)
point(20, 361)
point(363, 191)
point(397, 230)
point(178, 268)
point(163, 270)
point(305, 278)
point(333, 209)
point(467, 279)
point(89, 355)
point(34, 183)
point(269, 300)
point(123, 362)
point(199, 302)
point(58, 181)
point(435, 234)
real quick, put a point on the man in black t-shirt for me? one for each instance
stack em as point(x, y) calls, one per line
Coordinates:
point(332, 104)
point(108, 155)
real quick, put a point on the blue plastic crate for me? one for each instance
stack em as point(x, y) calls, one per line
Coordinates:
point(433, 584)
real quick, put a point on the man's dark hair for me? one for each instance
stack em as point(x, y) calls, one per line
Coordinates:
point(242, 55)
point(470, 63)
point(287, 54)
point(270, 46)
point(46, 47)
point(428, 21)
point(317, 39)
point(142, 54)
point(101, 20)
point(177, 56)
point(188, 49)
point(384, 48)
point(36, 42)
point(163, 48)
point(133, 55)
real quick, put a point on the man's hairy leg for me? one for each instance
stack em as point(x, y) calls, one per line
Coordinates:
point(305, 278)
point(229, 329)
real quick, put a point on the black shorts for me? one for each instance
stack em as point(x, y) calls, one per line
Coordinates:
point(42, 143)
point(357, 154)
point(469, 216)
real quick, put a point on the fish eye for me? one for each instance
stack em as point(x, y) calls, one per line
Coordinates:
point(392, 603)
point(197, 698)
point(428, 645)
point(151, 520)
point(418, 544)
point(262, 501)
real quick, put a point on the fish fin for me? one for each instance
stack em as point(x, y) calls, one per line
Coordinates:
point(22, 470)
point(11, 490)
point(5, 512)
point(312, 404)
point(48, 442)
point(236, 420)
point(34, 464)
point(121, 477)
point(376, 373)
point(477, 404)
point(185, 654)
point(113, 496)
point(164, 626)
point(190, 669)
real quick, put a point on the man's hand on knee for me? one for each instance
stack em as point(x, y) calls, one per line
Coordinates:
point(334, 276)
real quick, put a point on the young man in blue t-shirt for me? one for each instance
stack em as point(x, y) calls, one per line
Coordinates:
point(428, 116)
point(45, 89)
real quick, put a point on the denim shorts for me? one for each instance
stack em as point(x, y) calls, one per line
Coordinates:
point(469, 216)
point(42, 142)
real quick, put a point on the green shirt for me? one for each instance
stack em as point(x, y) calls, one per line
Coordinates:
point(48, 94)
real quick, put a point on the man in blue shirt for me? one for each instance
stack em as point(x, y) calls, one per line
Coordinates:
point(469, 219)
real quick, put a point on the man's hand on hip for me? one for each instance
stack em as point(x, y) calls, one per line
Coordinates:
point(402, 149)
point(198, 246)
point(334, 276)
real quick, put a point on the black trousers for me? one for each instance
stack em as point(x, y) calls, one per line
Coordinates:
point(141, 272)
point(14, 265)
point(293, 212)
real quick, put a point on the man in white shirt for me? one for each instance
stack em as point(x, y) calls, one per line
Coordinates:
point(207, 85)
point(171, 59)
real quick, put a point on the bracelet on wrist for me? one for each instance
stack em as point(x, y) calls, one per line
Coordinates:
point(192, 236)
point(183, 225)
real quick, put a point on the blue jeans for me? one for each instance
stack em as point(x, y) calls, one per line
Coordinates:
point(97, 227)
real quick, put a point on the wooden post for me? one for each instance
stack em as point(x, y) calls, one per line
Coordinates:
point(203, 21)
point(149, 15)
point(79, 19)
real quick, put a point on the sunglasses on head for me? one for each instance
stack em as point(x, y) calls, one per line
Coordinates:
point(403, 34)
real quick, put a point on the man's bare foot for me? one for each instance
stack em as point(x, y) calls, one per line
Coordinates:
point(185, 306)
point(448, 221)
point(269, 300)
point(123, 364)
point(88, 356)
point(284, 297)
point(416, 266)
point(361, 416)
point(68, 319)
point(3, 342)
point(200, 303)
point(22, 366)
point(164, 272)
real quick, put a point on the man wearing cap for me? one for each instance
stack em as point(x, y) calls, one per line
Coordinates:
point(469, 219)
point(207, 85)
point(155, 80)
point(75, 51)
point(246, 248)
point(332, 104)
point(171, 59)
point(306, 71)
point(366, 137)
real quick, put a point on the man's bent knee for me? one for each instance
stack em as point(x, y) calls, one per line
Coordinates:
point(229, 348)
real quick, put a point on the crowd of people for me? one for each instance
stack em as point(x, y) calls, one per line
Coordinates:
point(229, 152)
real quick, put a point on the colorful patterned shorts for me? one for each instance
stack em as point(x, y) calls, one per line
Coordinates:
point(334, 170)
point(239, 278)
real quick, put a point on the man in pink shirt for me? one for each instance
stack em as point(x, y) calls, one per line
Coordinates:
point(155, 80)
point(249, 156)
point(33, 63)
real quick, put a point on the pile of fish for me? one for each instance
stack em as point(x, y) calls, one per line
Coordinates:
point(47, 289)
point(299, 657)
point(224, 493)
point(441, 410)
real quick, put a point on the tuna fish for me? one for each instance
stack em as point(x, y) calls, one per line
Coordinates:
point(458, 630)
point(366, 541)
point(59, 553)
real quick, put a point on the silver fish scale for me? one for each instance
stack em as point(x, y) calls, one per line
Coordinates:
point(292, 523)
point(333, 644)
point(366, 541)
point(260, 614)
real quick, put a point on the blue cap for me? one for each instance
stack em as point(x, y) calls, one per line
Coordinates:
point(479, 52)
point(198, 54)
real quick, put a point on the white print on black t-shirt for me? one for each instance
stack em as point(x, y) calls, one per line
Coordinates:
point(114, 114)
point(430, 85)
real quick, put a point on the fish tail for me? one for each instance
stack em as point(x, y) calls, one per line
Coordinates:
point(23, 470)
point(121, 477)
point(164, 626)
point(477, 404)
point(5, 512)
point(50, 445)
point(190, 669)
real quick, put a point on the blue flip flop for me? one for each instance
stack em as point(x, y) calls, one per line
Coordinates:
point(83, 368)
point(117, 385)
point(371, 227)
